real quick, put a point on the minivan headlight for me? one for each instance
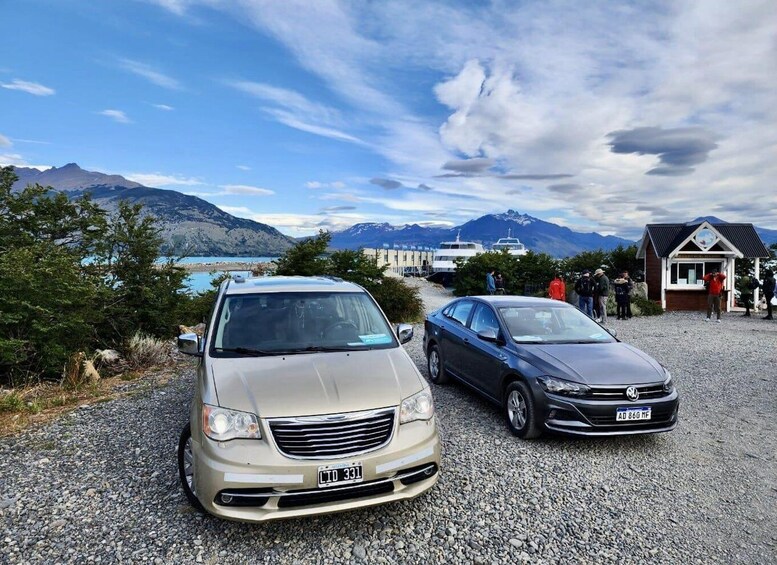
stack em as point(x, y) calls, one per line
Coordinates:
point(417, 407)
point(222, 424)
point(560, 386)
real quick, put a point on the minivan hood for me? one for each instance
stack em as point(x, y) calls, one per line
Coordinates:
point(597, 364)
point(315, 383)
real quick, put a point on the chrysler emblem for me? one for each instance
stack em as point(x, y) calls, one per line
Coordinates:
point(632, 393)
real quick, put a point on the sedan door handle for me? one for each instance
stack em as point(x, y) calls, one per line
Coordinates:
point(466, 340)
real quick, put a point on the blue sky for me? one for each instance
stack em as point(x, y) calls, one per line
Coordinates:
point(304, 115)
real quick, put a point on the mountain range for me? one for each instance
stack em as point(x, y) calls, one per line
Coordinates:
point(538, 235)
point(195, 227)
point(190, 225)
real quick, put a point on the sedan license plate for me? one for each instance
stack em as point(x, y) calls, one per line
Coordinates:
point(632, 414)
point(340, 474)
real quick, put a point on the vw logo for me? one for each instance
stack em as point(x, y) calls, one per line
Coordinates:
point(632, 393)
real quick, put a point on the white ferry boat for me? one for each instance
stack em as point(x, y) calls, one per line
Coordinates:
point(513, 245)
point(444, 257)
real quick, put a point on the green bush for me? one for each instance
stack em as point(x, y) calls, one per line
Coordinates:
point(645, 307)
point(400, 302)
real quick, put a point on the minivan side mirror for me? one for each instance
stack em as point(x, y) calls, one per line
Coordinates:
point(189, 344)
point(404, 332)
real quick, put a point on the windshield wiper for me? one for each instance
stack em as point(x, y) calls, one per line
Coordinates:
point(246, 351)
point(316, 348)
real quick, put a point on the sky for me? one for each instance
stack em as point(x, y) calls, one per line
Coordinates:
point(600, 116)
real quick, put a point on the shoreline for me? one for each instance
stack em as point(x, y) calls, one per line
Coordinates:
point(218, 266)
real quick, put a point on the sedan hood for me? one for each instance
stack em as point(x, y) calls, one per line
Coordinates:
point(315, 383)
point(596, 364)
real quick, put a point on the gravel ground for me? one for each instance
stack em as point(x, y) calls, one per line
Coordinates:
point(100, 485)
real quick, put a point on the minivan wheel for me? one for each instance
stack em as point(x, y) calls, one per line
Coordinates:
point(186, 467)
point(519, 411)
point(437, 373)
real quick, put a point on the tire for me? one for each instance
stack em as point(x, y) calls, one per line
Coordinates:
point(520, 413)
point(434, 364)
point(186, 469)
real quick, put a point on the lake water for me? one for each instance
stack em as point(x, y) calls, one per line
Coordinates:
point(199, 282)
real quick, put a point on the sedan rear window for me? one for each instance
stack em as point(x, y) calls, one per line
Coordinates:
point(552, 324)
point(299, 322)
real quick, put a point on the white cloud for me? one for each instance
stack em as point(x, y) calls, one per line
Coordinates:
point(294, 110)
point(246, 190)
point(29, 87)
point(160, 179)
point(17, 160)
point(150, 74)
point(4, 141)
point(164, 107)
point(314, 184)
point(243, 167)
point(116, 115)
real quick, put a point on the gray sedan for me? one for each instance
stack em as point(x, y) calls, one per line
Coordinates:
point(549, 367)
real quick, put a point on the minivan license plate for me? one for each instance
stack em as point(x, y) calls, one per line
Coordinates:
point(632, 414)
point(340, 474)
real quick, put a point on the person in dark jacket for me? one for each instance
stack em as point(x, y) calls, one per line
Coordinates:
point(625, 275)
point(602, 292)
point(622, 286)
point(747, 285)
point(584, 287)
point(768, 286)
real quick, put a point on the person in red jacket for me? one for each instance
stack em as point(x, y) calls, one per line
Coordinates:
point(557, 289)
point(714, 283)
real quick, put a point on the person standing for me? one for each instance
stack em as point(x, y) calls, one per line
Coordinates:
point(625, 275)
point(490, 282)
point(602, 292)
point(622, 287)
point(499, 283)
point(557, 290)
point(768, 286)
point(714, 283)
point(746, 286)
point(584, 287)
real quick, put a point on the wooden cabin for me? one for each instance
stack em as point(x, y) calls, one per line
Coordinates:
point(677, 256)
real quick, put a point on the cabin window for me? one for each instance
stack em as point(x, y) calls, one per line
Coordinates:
point(692, 273)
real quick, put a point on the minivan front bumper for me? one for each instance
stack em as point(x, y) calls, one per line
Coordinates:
point(250, 480)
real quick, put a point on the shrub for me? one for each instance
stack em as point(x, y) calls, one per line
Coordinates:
point(143, 351)
point(400, 302)
point(646, 307)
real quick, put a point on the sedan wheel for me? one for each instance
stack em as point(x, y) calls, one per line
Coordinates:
point(186, 467)
point(437, 372)
point(519, 411)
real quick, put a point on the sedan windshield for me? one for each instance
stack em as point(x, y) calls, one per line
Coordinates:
point(302, 322)
point(552, 324)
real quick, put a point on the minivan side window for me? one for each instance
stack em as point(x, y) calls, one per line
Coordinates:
point(461, 311)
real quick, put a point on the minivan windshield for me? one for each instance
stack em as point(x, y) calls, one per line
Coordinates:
point(299, 322)
point(552, 324)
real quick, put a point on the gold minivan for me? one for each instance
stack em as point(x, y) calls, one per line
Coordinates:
point(305, 403)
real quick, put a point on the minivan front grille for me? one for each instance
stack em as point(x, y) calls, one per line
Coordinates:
point(333, 435)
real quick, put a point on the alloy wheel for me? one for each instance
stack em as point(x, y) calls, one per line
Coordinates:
point(516, 409)
point(188, 465)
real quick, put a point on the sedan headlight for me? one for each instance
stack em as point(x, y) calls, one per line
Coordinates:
point(222, 424)
point(417, 407)
point(668, 383)
point(560, 386)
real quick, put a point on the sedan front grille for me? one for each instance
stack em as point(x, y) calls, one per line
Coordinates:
point(619, 392)
point(333, 435)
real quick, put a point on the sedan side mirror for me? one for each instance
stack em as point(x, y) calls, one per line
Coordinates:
point(404, 332)
point(189, 344)
point(488, 335)
point(612, 331)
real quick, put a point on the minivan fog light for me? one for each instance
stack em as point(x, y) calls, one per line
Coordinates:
point(417, 407)
point(222, 424)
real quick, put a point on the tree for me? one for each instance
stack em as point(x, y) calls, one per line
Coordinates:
point(306, 258)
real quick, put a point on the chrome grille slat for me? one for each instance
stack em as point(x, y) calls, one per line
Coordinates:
point(334, 435)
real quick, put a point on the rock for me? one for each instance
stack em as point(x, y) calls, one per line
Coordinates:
point(359, 551)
